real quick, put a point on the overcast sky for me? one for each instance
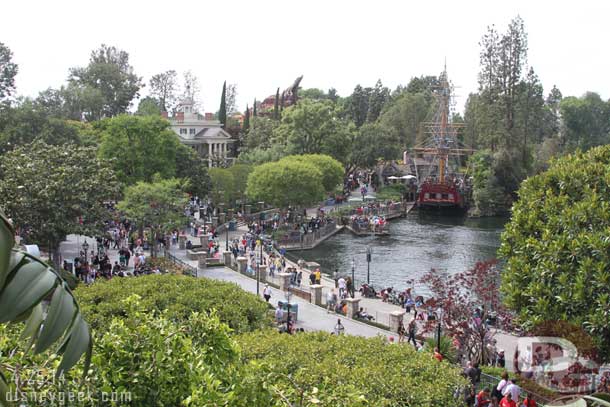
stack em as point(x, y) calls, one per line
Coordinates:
point(262, 45)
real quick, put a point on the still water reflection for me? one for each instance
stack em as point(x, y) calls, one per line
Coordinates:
point(416, 244)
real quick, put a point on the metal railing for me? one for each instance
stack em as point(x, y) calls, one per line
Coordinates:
point(190, 270)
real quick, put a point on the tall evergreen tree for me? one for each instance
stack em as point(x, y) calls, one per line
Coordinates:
point(377, 101)
point(276, 107)
point(246, 125)
point(222, 112)
point(254, 109)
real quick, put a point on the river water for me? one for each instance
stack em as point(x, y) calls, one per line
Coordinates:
point(416, 244)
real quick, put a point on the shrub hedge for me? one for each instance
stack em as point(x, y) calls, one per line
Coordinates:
point(179, 295)
point(328, 370)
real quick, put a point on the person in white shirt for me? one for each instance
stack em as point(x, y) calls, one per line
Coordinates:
point(279, 315)
point(513, 389)
point(267, 292)
point(342, 285)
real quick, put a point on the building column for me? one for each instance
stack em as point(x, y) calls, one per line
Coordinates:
point(223, 149)
point(209, 155)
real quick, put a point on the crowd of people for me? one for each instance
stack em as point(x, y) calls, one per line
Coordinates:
point(97, 264)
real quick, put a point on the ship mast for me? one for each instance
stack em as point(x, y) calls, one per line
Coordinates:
point(442, 141)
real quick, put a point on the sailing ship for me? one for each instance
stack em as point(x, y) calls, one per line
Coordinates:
point(437, 160)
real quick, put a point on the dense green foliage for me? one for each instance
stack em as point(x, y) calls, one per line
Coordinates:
point(110, 77)
point(391, 192)
point(166, 340)
point(314, 127)
point(191, 167)
point(328, 370)
point(222, 112)
point(331, 169)
point(374, 142)
point(26, 284)
point(286, 183)
point(178, 295)
point(8, 71)
point(56, 191)
point(557, 248)
point(488, 195)
point(139, 147)
point(159, 204)
point(295, 180)
point(163, 88)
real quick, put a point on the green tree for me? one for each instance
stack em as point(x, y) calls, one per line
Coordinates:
point(314, 127)
point(222, 185)
point(586, 121)
point(158, 205)
point(380, 95)
point(254, 109)
point(240, 174)
point(258, 155)
point(488, 194)
point(149, 106)
point(331, 169)
point(276, 105)
point(109, 72)
point(163, 87)
point(222, 112)
point(8, 71)
point(557, 249)
point(358, 105)
point(231, 99)
point(191, 167)
point(286, 183)
point(373, 142)
point(26, 121)
point(260, 134)
point(82, 102)
point(405, 116)
point(59, 190)
point(139, 147)
point(246, 125)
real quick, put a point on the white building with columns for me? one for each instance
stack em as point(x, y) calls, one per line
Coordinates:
point(204, 134)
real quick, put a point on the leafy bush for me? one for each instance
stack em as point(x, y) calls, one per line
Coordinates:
point(323, 369)
point(447, 349)
point(178, 295)
point(391, 192)
point(557, 248)
point(493, 370)
point(143, 360)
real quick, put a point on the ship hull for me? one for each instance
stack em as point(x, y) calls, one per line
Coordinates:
point(441, 196)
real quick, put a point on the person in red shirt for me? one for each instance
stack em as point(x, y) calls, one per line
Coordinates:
point(483, 398)
point(508, 401)
point(437, 355)
point(529, 401)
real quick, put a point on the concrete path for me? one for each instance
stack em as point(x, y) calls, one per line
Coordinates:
point(310, 317)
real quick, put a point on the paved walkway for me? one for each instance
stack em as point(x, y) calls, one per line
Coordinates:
point(310, 317)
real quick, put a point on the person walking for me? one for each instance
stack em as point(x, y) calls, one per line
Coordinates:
point(342, 286)
point(331, 301)
point(267, 292)
point(339, 328)
point(279, 315)
point(401, 332)
point(412, 332)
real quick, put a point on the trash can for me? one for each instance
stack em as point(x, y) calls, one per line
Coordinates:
point(294, 310)
point(232, 226)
